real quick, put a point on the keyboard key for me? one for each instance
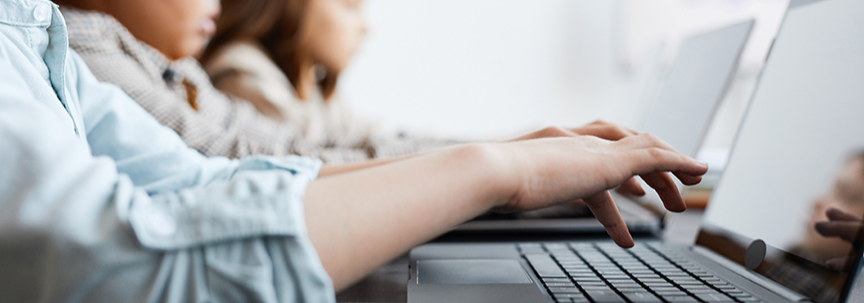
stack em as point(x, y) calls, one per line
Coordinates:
point(662, 289)
point(556, 246)
point(568, 295)
point(680, 299)
point(625, 284)
point(589, 284)
point(658, 284)
point(647, 276)
point(604, 296)
point(559, 284)
point(641, 297)
point(584, 269)
point(545, 266)
point(629, 289)
point(700, 290)
point(714, 297)
point(528, 245)
point(639, 271)
point(564, 290)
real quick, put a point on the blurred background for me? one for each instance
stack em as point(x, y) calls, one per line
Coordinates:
point(494, 69)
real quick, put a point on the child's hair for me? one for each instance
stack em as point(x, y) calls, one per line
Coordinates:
point(275, 25)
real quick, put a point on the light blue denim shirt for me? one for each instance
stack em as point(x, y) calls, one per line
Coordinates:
point(100, 203)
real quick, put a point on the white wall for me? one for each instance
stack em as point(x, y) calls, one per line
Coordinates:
point(480, 69)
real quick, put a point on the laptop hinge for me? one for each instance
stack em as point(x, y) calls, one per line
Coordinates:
point(768, 284)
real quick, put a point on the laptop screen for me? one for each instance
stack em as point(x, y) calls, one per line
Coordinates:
point(799, 158)
point(695, 85)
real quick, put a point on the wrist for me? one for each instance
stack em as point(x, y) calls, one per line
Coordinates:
point(495, 174)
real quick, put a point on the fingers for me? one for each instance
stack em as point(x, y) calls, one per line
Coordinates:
point(601, 123)
point(838, 264)
point(839, 215)
point(605, 130)
point(606, 212)
point(651, 160)
point(667, 190)
point(549, 132)
point(841, 224)
point(613, 133)
point(646, 140)
point(632, 187)
point(846, 230)
point(649, 142)
point(687, 179)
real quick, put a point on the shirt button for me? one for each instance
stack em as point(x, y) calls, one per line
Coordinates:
point(42, 12)
point(161, 223)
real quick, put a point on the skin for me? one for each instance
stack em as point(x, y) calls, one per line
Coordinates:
point(361, 219)
point(177, 28)
point(836, 218)
point(331, 32)
point(361, 215)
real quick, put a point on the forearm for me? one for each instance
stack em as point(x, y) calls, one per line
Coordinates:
point(335, 169)
point(360, 220)
point(331, 170)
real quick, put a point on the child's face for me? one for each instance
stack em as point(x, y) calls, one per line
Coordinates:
point(177, 28)
point(332, 31)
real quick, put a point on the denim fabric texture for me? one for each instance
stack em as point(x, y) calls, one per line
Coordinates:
point(101, 203)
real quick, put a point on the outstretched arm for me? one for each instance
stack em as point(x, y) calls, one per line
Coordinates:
point(362, 219)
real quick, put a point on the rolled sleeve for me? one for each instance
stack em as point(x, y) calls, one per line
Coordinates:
point(263, 198)
point(247, 233)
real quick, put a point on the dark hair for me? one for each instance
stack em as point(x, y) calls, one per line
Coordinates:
point(275, 25)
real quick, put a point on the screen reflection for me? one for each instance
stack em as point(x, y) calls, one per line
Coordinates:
point(819, 261)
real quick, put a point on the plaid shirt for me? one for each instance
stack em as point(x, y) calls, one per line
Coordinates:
point(179, 95)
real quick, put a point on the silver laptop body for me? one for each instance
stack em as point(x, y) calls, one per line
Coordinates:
point(757, 241)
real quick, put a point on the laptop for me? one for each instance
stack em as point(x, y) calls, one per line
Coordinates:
point(693, 88)
point(797, 153)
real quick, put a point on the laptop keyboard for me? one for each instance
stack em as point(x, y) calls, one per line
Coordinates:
point(604, 272)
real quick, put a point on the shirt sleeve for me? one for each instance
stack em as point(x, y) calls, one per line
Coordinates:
point(258, 79)
point(140, 217)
